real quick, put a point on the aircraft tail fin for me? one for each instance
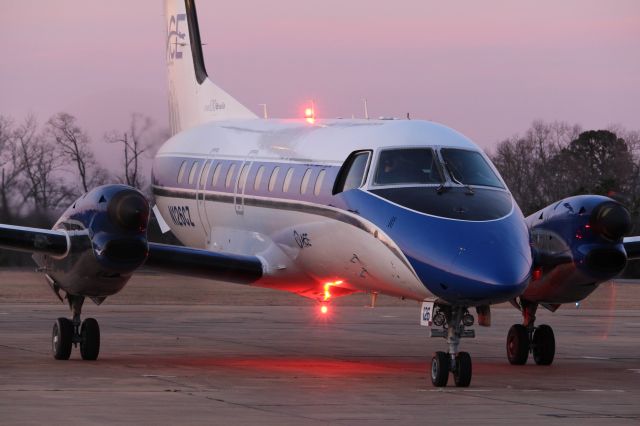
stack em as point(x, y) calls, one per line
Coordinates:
point(193, 97)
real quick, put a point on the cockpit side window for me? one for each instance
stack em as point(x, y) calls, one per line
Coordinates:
point(408, 166)
point(353, 173)
point(469, 168)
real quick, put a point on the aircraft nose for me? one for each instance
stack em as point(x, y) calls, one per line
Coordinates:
point(485, 274)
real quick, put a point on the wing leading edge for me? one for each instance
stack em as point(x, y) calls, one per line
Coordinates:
point(34, 240)
point(204, 263)
point(632, 247)
point(161, 257)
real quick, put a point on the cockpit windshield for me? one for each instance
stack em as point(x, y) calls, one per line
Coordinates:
point(469, 168)
point(408, 166)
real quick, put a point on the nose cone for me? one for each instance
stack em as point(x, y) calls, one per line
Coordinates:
point(489, 274)
point(479, 270)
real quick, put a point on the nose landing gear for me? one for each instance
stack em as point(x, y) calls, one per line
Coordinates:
point(67, 333)
point(453, 320)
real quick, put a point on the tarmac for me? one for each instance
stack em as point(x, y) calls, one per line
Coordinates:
point(185, 351)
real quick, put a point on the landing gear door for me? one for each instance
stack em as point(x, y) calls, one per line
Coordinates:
point(204, 183)
point(241, 182)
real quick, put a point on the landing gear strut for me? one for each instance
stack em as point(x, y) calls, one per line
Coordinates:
point(525, 338)
point(453, 320)
point(67, 333)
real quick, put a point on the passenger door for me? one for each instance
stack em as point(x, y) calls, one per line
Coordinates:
point(203, 184)
point(241, 182)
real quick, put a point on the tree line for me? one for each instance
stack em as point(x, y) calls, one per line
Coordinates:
point(44, 168)
point(551, 161)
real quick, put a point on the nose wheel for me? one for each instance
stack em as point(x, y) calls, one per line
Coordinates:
point(68, 333)
point(453, 320)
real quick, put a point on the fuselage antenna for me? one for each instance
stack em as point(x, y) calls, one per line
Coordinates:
point(264, 111)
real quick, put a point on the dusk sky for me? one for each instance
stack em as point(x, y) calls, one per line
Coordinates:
point(486, 68)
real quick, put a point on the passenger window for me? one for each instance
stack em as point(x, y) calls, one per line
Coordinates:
point(192, 173)
point(216, 175)
point(204, 175)
point(287, 180)
point(258, 181)
point(181, 172)
point(243, 177)
point(305, 181)
point(353, 173)
point(273, 178)
point(230, 173)
point(319, 181)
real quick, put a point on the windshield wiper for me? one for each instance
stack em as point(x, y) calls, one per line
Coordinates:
point(470, 190)
point(441, 188)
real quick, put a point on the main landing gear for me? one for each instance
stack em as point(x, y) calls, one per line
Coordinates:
point(68, 332)
point(453, 320)
point(526, 337)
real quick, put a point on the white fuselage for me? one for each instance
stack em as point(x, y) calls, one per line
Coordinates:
point(217, 187)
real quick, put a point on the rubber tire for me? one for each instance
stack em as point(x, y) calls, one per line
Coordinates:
point(62, 338)
point(440, 366)
point(543, 345)
point(463, 371)
point(518, 344)
point(89, 339)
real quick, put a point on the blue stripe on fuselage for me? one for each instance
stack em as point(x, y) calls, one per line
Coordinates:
point(462, 262)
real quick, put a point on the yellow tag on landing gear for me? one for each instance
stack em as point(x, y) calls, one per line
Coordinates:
point(426, 313)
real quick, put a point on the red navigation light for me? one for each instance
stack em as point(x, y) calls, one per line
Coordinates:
point(310, 114)
point(537, 274)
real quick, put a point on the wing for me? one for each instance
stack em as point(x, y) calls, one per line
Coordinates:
point(34, 240)
point(632, 247)
point(204, 263)
point(68, 247)
point(96, 246)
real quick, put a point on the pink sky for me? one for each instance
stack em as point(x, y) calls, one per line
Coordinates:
point(487, 69)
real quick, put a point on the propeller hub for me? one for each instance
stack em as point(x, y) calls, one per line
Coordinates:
point(610, 220)
point(129, 210)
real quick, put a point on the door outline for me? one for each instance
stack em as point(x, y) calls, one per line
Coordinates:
point(238, 198)
point(201, 197)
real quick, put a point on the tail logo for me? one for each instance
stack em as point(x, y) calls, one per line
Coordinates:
point(175, 38)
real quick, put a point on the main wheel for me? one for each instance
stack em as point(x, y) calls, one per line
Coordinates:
point(462, 373)
point(89, 339)
point(440, 364)
point(62, 338)
point(543, 345)
point(518, 344)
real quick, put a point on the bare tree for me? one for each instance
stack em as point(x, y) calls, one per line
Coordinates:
point(138, 140)
point(41, 166)
point(556, 160)
point(10, 169)
point(74, 143)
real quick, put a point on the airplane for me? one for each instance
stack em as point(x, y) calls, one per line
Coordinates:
point(324, 208)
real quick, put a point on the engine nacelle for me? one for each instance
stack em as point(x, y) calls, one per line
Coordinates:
point(106, 232)
point(577, 244)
